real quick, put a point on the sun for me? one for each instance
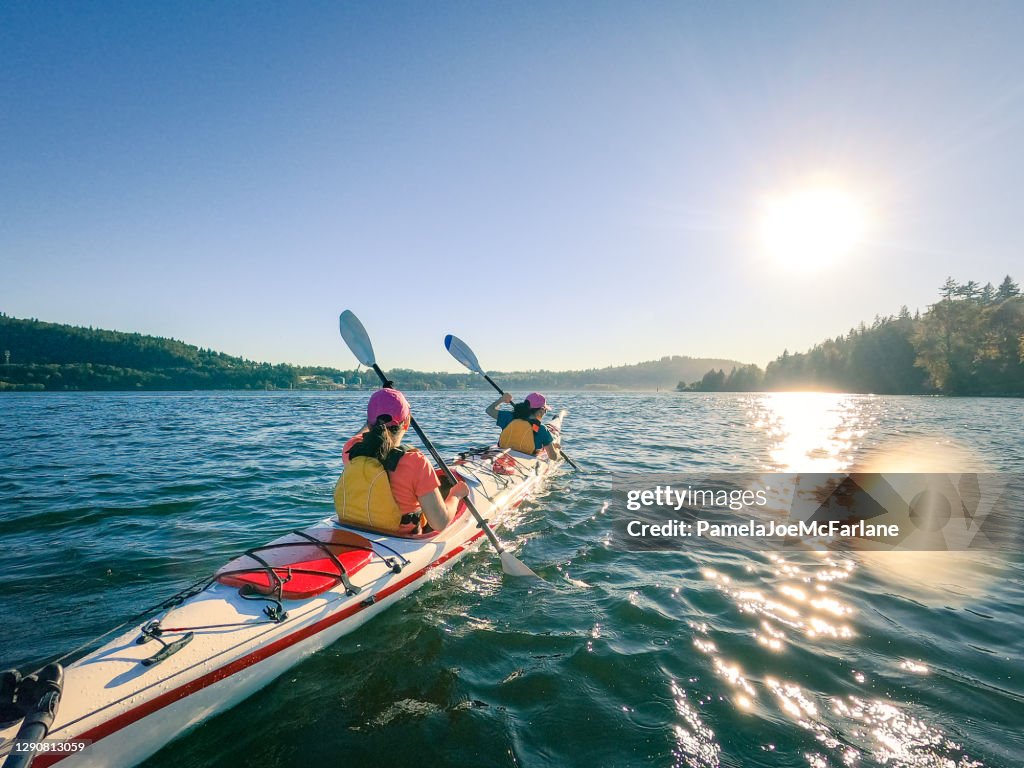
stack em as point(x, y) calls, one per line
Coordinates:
point(811, 228)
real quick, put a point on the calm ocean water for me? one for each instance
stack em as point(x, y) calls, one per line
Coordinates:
point(713, 656)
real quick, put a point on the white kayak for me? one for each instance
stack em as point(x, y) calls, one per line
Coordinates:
point(259, 615)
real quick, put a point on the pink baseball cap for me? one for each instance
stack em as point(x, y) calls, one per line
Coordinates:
point(387, 402)
point(536, 400)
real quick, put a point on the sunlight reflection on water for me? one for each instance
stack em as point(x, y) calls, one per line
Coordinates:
point(810, 431)
point(791, 606)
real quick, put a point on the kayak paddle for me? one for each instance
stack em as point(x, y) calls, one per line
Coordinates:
point(358, 340)
point(461, 352)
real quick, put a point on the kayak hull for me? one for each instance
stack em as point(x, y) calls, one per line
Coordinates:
point(149, 727)
point(128, 711)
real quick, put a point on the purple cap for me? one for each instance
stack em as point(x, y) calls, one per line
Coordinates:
point(536, 400)
point(387, 402)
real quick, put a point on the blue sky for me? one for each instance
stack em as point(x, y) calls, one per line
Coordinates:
point(563, 185)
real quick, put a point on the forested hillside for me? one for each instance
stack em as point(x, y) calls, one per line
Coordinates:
point(970, 342)
point(38, 355)
point(35, 355)
point(655, 374)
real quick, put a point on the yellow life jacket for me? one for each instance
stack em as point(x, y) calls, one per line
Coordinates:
point(518, 436)
point(363, 498)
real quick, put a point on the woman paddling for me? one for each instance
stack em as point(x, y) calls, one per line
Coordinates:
point(386, 486)
point(521, 429)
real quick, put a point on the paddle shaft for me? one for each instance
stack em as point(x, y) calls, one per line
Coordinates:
point(446, 469)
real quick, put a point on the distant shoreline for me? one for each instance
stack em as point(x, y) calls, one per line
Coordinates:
point(594, 391)
point(970, 343)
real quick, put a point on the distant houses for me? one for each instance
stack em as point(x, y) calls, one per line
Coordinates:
point(329, 382)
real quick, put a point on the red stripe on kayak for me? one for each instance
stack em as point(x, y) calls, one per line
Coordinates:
point(166, 699)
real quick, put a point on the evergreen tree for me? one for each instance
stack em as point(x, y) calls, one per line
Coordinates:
point(1008, 289)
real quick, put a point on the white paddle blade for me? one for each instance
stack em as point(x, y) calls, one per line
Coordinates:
point(514, 567)
point(356, 337)
point(461, 352)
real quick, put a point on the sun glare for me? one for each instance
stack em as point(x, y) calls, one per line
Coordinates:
point(811, 228)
